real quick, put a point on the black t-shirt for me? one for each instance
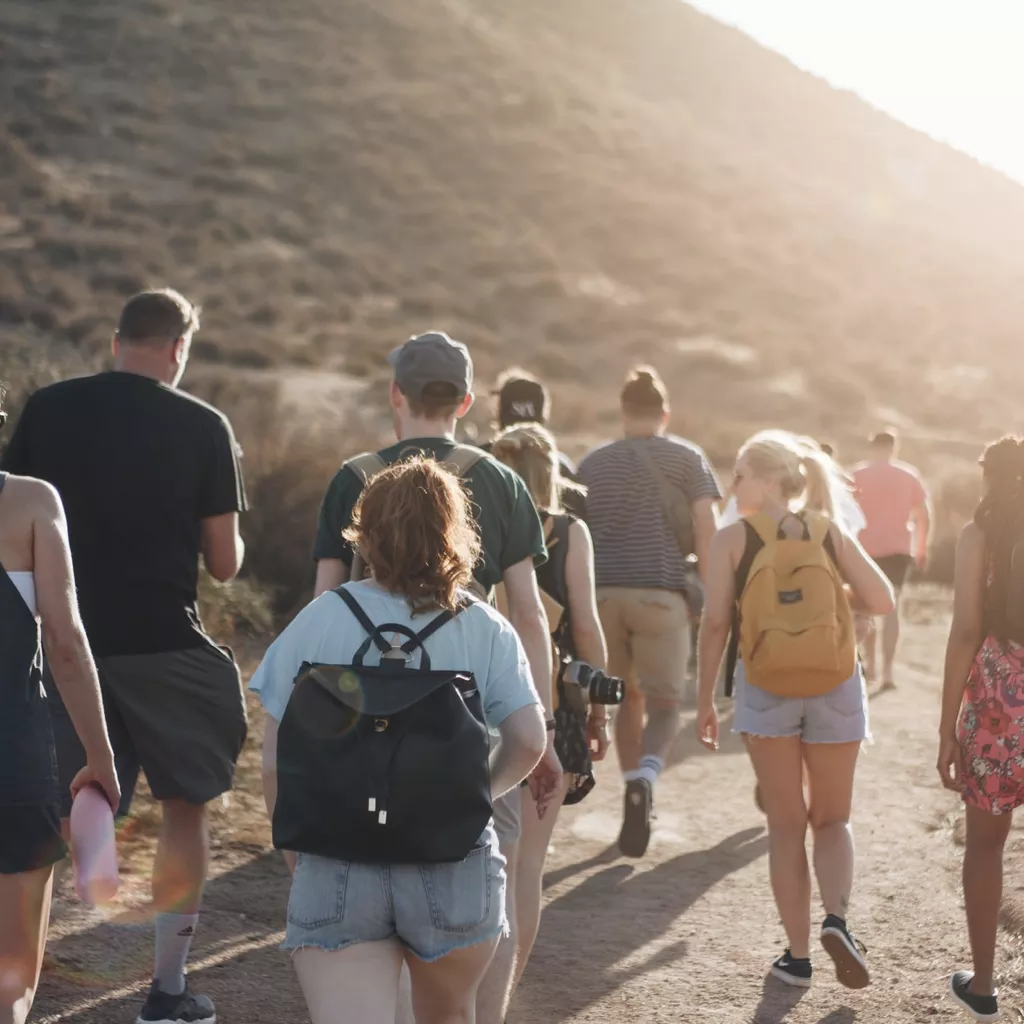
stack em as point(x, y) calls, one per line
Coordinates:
point(138, 466)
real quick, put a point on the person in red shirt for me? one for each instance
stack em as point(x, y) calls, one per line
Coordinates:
point(896, 506)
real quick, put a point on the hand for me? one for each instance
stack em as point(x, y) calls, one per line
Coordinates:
point(598, 737)
point(707, 726)
point(921, 561)
point(99, 772)
point(546, 779)
point(950, 764)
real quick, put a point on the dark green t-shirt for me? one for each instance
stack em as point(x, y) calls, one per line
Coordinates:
point(510, 529)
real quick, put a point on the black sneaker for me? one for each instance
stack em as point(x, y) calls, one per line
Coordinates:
point(636, 819)
point(979, 1007)
point(846, 952)
point(792, 971)
point(186, 1008)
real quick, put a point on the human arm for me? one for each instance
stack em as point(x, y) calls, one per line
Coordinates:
point(715, 623)
point(522, 744)
point(872, 593)
point(270, 778)
point(67, 649)
point(221, 499)
point(704, 527)
point(526, 614)
point(587, 634)
point(331, 573)
point(965, 636)
point(332, 552)
point(921, 521)
point(222, 546)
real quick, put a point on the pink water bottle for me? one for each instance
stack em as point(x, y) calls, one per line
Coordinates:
point(93, 846)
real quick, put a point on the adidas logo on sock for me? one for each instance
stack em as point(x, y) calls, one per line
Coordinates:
point(187, 932)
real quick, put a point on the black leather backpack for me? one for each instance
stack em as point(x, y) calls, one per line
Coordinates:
point(383, 764)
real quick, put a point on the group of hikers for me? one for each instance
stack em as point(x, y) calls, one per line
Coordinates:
point(484, 618)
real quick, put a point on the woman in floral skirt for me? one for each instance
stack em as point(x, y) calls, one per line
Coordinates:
point(981, 749)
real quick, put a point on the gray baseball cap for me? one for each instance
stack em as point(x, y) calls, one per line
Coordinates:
point(432, 358)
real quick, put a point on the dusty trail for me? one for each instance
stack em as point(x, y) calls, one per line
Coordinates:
point(685, 935)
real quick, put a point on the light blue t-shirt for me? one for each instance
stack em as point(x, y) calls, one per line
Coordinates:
point(477, 640)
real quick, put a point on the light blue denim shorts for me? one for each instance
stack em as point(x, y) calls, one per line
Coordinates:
point(432, 909)
point(839, 716)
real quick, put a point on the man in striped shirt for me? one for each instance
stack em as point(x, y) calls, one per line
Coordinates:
point(642, 578)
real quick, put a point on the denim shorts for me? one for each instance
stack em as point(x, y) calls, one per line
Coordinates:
point(839, 716)
point(432, 909)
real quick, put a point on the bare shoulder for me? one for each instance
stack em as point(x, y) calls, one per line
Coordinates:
point(34, 495)
point(732, 538)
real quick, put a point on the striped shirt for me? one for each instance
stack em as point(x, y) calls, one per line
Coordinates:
point(633, 544)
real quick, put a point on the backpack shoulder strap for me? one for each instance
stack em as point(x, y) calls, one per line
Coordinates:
point(364, 620)
point(432, 627)
point(365, 466)
point(462, 458)
point(764, 527)
point(557, 542)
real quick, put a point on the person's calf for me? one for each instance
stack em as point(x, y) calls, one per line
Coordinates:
point(17, 992)
point(179, 872)
point(663, 720)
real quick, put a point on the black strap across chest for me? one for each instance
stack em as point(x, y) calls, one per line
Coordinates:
point(376, 634)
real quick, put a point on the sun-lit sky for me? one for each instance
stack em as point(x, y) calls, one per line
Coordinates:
point(951, 68)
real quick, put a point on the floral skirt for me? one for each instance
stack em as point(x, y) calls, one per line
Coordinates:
point(991, 728)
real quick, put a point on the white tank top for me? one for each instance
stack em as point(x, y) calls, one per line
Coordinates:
point(25, 582)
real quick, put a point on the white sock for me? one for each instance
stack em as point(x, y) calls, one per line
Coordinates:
point(174, 934)
point(651, 766)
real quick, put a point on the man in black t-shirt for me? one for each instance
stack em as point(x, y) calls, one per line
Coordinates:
point(150, 479)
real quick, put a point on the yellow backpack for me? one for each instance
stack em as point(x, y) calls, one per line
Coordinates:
point(796, 634)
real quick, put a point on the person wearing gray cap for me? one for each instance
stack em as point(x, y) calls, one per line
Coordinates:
point(431, 391)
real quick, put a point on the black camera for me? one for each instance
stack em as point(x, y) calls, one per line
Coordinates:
point(589, 685)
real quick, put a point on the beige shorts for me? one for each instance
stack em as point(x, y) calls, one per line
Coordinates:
point(648, 635)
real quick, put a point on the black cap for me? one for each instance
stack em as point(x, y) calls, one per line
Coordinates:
point(522, 400)
point(432, 358)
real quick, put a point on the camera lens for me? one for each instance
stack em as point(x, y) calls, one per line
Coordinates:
point(606, 689)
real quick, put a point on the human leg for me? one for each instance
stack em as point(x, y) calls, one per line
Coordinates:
point(495, 989)
point(629, 728)
point(24, 919)
point(778, 765)
point(890, 642)
point(353, 985)
point(446, 990)
point(533, 849)
point(983, 889)
point(629, 715)
point(830, 772)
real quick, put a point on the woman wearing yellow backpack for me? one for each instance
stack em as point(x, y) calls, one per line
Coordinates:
point(783, 579)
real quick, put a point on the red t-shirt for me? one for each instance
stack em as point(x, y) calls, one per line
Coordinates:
point(888, 493)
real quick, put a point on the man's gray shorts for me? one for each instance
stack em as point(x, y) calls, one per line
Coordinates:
point(508, 811)
point(179, 716)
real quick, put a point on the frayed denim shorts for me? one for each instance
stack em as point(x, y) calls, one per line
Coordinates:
point(839, 716)
point(432, 909)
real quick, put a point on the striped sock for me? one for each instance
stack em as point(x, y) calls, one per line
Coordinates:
point(651, 766)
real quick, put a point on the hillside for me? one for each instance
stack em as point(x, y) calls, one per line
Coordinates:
point(570, 185)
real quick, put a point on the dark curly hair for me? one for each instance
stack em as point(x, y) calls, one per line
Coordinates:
point(1000, 516)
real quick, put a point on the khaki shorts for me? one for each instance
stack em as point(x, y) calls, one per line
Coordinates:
point(648, 635)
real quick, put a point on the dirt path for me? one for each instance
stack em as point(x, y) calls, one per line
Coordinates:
point(685, 935)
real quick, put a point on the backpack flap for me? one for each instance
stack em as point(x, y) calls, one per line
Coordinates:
point(796, 628)
point(381, 690)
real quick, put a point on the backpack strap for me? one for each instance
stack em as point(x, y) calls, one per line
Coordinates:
point(462, 458)
point(372, 631)
point(365, 466)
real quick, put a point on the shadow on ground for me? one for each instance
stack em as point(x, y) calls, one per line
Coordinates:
point(567, 945)
point(95, 976)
